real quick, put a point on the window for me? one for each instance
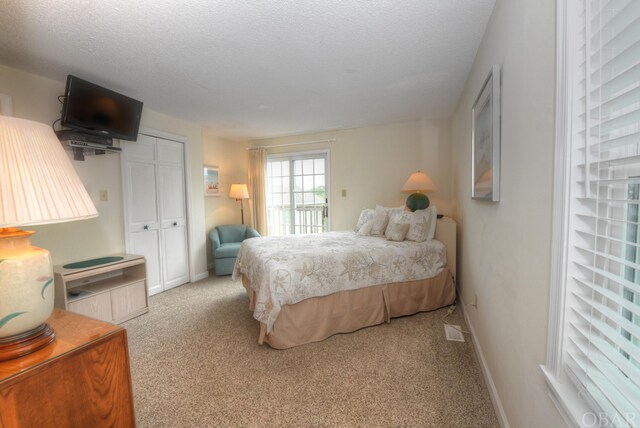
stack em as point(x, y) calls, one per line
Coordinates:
point(593, 363)
point(297, 193)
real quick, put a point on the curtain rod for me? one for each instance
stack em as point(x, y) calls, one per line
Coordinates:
point(329, 140)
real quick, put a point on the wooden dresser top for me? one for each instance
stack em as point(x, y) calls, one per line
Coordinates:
point(72, 332)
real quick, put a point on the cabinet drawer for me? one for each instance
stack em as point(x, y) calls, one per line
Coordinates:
point(98, 306)
point(128, 300)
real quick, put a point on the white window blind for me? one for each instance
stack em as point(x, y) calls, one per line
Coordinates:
point(601, 344)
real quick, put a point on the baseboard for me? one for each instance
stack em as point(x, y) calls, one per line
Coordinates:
point(493, 392)
point(200, 276)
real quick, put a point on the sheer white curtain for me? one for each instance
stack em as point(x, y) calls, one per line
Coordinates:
point(257, 164)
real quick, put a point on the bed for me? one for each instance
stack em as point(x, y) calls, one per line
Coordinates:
point(304, 289)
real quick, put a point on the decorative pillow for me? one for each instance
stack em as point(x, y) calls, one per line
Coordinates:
point(418, 232)
point(365, 215)
point(384, 215)
point(365, 230)
point(398, 216)
point(433, 221)
point(380, 220)
point(422, 225)
point(396, 211)
point(396, 231)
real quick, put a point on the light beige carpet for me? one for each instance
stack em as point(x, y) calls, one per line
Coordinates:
point(195, 362)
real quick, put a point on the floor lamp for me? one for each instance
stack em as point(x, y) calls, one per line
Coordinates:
point(38, 185)
point(239, 192)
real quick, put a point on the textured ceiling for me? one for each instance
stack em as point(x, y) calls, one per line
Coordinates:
point(257, 68)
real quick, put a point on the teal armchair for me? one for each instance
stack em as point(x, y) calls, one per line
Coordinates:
point(226, 241)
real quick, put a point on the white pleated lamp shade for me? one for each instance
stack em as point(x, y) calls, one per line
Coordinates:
point(239, 191)
point(38, 184)
point(418, 182)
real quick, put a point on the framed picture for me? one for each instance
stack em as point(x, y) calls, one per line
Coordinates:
point(485, 140)
point(211, 181)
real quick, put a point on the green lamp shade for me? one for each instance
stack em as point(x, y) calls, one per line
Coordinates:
point(417, 201)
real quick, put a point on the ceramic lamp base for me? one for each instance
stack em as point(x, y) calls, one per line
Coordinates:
point(26, 294)
point(417, 201)
point(25, 343)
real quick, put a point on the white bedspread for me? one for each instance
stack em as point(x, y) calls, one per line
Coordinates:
point(288, 269)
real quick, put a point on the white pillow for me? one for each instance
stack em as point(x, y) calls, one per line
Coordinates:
point(394, 211)
point(365, 215)
point(399, 217)
point(433, 220)
point(380, 220)
point(381, 217)
point(365, 230)
point(422, 224)
point(396, 231)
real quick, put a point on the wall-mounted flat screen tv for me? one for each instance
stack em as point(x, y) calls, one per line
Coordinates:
point(100, 111)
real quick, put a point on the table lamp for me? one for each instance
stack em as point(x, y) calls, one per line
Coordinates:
point(239, 192)
point(38, 185)
point(418, 184)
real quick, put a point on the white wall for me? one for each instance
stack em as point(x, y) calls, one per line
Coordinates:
point(372, 164)
point(232, 158)
point(35, 97)
point(504, 247)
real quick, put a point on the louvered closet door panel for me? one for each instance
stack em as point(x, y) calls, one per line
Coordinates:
point(170, 152)
point(147, 243)
point(143, 149)
point(141, 182)
point(173, 212)
point(172, 197)
point(144, 222)
point(156, 204)
point(143, 204)
point(175, 256)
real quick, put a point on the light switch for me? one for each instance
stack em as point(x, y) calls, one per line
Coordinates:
point(344, 193)
point(104, 195)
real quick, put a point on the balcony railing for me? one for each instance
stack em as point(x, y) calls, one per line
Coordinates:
point(306, 219)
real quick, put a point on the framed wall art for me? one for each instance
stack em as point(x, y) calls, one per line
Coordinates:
point(485, 140)
point(211, 181)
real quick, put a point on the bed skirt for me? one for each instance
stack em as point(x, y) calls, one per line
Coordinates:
point(317, 318)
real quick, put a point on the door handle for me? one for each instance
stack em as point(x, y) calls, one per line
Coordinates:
point(175, 223)
point(146, 227)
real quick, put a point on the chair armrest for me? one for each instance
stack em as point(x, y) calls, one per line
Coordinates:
point(251, 233)
point(215, 239)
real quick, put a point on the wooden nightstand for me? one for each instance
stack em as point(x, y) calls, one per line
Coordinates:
point(81, 380)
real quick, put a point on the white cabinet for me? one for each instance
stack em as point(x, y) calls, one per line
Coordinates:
point(155, 209)
point(113, 291)
point(98, 306)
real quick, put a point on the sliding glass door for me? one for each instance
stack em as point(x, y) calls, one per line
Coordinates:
point(297, 193)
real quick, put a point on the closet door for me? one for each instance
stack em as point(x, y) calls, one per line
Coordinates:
point(154, 188)
point(173, 226)
point(141, 183)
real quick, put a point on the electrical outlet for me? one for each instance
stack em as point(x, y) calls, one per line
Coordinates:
point(104, 195)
